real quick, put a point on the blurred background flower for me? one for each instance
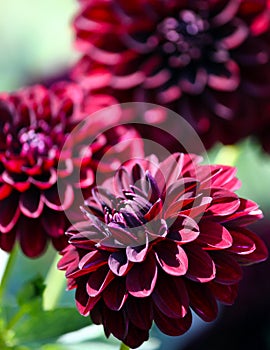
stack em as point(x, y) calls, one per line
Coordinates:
point(207, 60)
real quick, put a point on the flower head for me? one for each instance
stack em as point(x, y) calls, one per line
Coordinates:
point(34, 125)
point(158, 240)
point(182, 54)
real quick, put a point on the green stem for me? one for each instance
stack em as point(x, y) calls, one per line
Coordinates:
point(123, 347)
point(8, 270)
point(14, 320)
point(55, 284)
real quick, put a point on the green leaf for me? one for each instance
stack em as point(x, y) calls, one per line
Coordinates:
point(31, 291)
point(45, 326)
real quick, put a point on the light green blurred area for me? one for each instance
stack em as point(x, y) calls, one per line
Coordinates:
point(35, 39)
point(253, 170)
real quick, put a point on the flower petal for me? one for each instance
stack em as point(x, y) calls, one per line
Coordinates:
point(45, 181)
point(228, 270)
point(224, 293)
point(172, 326)
point(169, 170)
point(137, 253)
point(118, 263)
point(247, 213)
point(258, 255)
point(115, 322)
point(242, 244)
point(98, 281)
point(213, 235)
point(202, 300)
point(170, 296)
point(84, 303)
point(93, 260)
point(224, 202)
point(135, 336)
point(54, 222)
point(184, 230)
point(7, 240)
point(140, 312)
point(59, 202)
point(171, 257)
point(115, 294)
point(30, 203)
point(5, 190)
point(201, 267)
point(9, 212)
point(141, 279)
point(32, 237)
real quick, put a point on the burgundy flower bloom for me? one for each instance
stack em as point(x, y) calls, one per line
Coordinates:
point(34, 125)
point(160, 239)
point(206, 60)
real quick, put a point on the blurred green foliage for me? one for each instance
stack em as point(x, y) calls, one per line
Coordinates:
point(35, 39)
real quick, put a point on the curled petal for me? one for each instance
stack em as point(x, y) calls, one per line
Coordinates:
point(224, 202)
point(70, 256)
point(258, 255)
point(118, 263)
point(84, 303)
point(98, 281)
point(171, 257)
point(141, 279)
point(214, 236)
point(184, 230)
point(247, 213)
point(93, 260)
point(242, 244)
point(19, 182)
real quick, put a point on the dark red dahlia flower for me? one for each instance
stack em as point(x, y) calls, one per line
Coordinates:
point(206, 60)
point(34, 125)
point(160, 239)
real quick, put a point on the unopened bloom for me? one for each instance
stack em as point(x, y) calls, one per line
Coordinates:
point(158, 240)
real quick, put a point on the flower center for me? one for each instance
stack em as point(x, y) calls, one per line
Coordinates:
point(35, 143)
point(184, 39)
point(113, 216)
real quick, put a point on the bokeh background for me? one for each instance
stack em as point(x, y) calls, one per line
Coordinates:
point(36, 47)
